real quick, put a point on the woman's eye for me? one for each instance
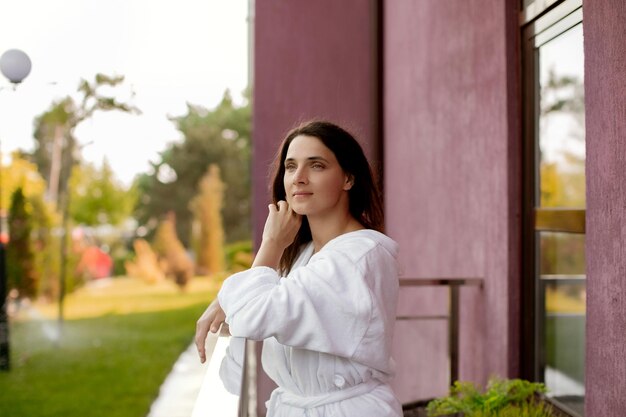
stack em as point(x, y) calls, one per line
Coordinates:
point(317, 166)
point(290, 167)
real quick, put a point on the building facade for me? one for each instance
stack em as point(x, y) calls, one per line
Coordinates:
point(498, 128)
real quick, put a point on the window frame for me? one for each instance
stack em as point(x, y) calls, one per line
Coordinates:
point(540, 21)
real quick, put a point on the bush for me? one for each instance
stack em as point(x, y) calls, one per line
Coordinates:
point(502, 398)
point(172, 253)
point(21, 268)
point(145, 266)
point(239, 255)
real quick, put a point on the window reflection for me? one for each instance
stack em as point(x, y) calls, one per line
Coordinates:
point(561, 184)
point(562, 121)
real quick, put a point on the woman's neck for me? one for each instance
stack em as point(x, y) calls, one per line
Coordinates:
point(324, 230)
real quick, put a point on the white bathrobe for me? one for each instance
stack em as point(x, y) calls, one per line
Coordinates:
point(327, 327)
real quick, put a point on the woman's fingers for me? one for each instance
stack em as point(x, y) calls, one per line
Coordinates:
point(282, 205)
point(217, 321)
point(211, 320)
point(202, 330)
point(281, 225)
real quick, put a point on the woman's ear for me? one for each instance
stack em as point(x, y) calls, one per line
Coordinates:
point(349, 182)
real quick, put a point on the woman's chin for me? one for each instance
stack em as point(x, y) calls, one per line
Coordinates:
point(299, 211)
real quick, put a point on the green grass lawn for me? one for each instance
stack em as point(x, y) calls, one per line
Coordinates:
point(118, 345)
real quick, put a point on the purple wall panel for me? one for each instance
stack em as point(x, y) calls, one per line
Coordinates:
point(313, 59)
point(605, 113)
point(452, 168)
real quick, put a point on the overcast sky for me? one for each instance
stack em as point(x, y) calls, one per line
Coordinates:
point(171, 52)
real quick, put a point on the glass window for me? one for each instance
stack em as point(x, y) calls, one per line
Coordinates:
point(555, 192)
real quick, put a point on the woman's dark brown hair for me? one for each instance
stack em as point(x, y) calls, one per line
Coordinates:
point(365, 199)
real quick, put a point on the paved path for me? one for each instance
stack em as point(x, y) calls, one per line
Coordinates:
point(180, 389)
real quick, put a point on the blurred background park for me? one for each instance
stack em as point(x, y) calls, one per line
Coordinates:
point(124, 194)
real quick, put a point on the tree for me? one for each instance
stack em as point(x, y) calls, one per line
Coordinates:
point(56, 149)
point(221, 137)
point(21, 270)
point(98, 198)
point(22, 174)
point(46, 245)
point(172, 252)
point(207, 208)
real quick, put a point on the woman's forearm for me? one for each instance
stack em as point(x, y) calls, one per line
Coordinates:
point(268, 255)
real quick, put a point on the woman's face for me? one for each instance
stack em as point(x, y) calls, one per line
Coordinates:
point(315, 184)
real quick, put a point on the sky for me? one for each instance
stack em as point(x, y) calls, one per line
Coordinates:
point(170, 52)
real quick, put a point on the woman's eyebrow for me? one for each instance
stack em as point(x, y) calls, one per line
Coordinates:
point(310, 158)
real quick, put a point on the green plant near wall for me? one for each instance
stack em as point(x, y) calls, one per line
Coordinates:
point(501, 398)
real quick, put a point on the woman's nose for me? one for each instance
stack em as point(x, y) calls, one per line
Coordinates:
point(299, 176)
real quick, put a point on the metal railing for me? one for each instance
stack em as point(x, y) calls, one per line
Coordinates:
point(454, 285)
point(215, 399)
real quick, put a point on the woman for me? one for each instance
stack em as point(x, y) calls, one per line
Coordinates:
point(327, 326)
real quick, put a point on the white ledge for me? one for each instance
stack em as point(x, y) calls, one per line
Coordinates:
point(213, 399)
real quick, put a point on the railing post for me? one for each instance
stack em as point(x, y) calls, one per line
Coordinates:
point(454, 289)
point(453, 329)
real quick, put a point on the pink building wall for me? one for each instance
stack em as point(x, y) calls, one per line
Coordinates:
point(452, 179)
point(313, 59)
point(605, 114)
point(451, 147)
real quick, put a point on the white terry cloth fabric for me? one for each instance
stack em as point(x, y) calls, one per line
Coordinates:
point(327, 327)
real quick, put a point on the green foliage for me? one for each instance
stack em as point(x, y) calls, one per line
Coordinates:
point(46, 245)
point(21, 271)
point(121, 255)
point(98, 198)
point(502, 397)
point(239, 255)
point(220, 136)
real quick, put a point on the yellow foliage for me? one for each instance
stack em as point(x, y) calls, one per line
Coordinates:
point(562, 187)
point(172, 253)
point(20, 173)
point(561, 302)
point(146, 264)
point(242, 261)
point(207, 210)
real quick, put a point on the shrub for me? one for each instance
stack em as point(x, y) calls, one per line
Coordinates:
point(21, 270)
point(239, 255)
point(502, 398)
point(172, 253)
point(146, 264)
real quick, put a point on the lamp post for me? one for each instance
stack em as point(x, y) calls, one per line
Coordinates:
point(15, 65)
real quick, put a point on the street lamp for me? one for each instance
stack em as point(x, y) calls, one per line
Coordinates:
point(15, 65)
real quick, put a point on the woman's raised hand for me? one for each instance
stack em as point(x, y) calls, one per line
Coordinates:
point(280, 230)
point(210, 320)
point(281, 225)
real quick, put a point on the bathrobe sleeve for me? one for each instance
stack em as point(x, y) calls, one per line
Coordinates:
point(231, 368)
point(325, 306)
